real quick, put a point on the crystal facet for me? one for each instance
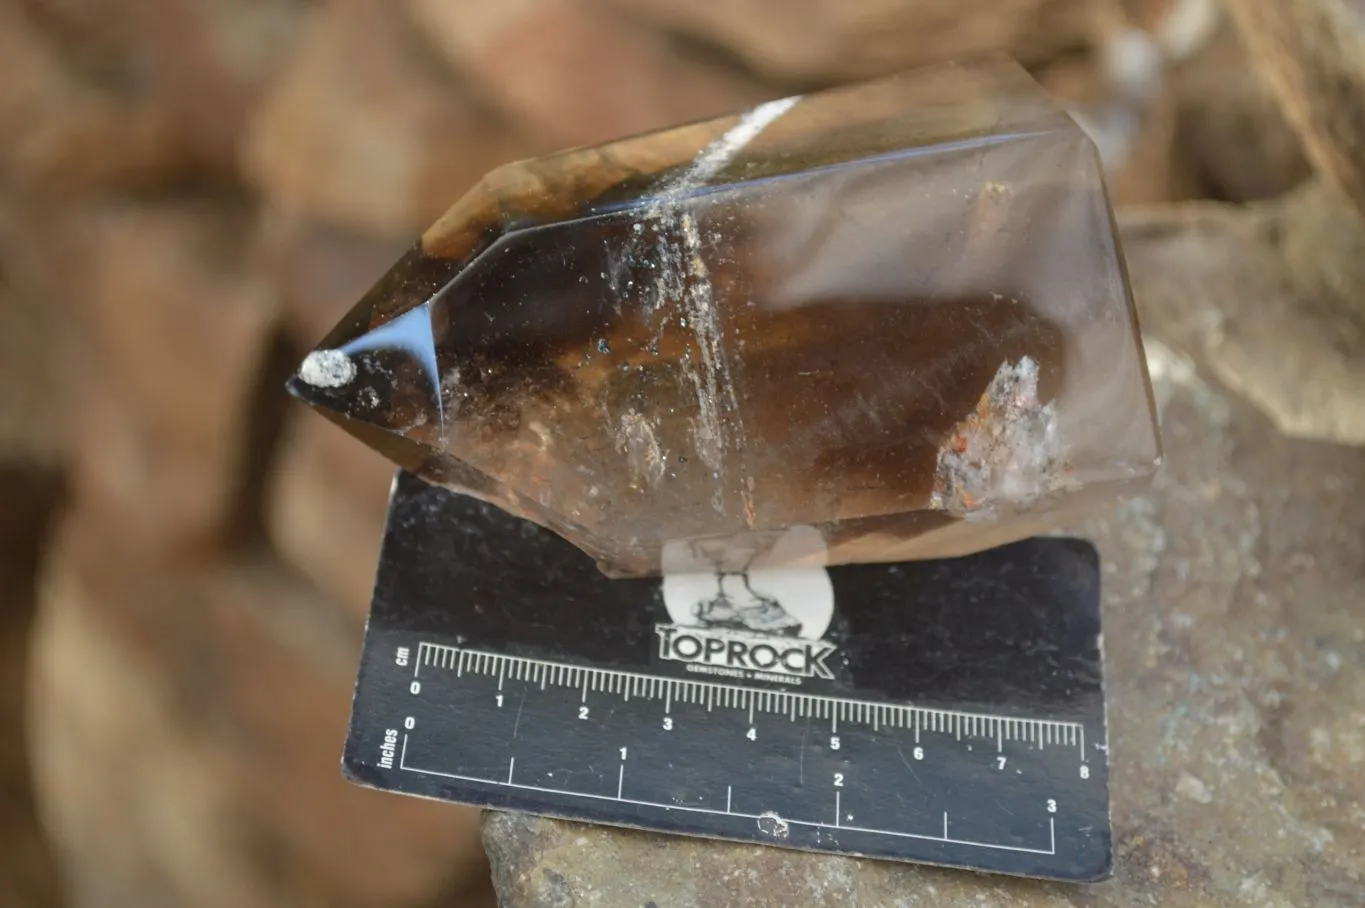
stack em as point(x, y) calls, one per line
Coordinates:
point(892, 319)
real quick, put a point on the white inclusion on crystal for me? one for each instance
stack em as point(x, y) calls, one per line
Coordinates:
point(638, 441)
point(682, 274)
point(411, 334)
point(719, 153)
point(327, 369)
point(1005, 452)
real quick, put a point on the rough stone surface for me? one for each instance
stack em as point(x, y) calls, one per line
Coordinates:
point(330, 537)
point(187, 724)
point(578, 74)
point(366, 129)
point(834, 39)
point(1230, 125)
point(177, 330)
point(104, 92)
point(1313, 53)
point(1235, 659)
point(31, 487)
point(65, 133)
point(35, 349)
point(320, 269)
point(210, 61)
point(1268, 298)
point(29, 496)
point(1121, 95)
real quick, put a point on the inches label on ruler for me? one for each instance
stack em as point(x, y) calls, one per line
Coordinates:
point(949, 712)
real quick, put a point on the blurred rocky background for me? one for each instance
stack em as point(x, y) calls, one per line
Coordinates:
point(193, 191)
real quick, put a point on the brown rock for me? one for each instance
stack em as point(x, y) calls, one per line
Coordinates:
point(574, 73)
point(188, 725)
point(320, 270)
point(35, 360)
point(30, 494)
point(32, 364)
point(364, 131)
point(1130, 115)
point(65, 132)
point(1176, 110)
point(1231, 127)
point(211, 60)
point(827, 40)
point(200, 64)
point(1313, 54)
point(177, 335)
point(96, 39)
point(326, 509)
point(1287, 277)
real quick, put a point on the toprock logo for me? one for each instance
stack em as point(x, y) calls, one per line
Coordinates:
point(759, 623)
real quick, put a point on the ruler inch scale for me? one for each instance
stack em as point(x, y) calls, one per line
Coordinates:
point(945, 712)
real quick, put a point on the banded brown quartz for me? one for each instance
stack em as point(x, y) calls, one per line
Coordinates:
point(890, 321)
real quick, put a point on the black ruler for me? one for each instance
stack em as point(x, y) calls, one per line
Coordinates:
point(948, 712)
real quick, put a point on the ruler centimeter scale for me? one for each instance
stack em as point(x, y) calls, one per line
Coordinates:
point(598, 680)
point(485, 681)
point(664, 692)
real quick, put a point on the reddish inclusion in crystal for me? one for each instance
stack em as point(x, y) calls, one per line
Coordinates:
point(894, 313)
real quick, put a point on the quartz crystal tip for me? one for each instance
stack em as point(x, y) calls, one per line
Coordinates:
point(380, 384)
point(890, 320)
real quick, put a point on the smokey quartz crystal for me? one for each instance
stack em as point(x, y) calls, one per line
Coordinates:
point(876, 323)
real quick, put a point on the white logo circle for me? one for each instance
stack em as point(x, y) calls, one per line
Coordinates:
point(797, 601)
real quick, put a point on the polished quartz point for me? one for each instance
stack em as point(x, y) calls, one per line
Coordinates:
point(881, 322)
